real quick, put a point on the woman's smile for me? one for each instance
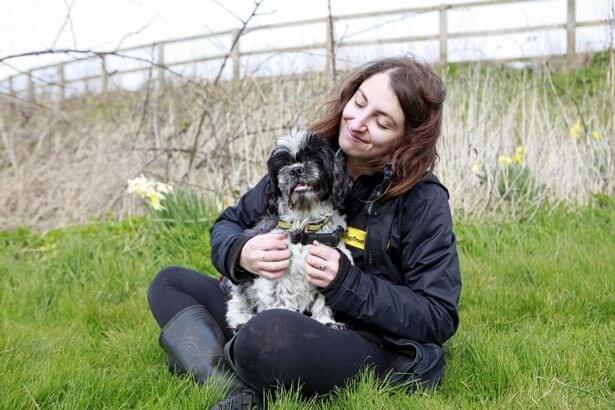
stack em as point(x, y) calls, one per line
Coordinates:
point(354, 138)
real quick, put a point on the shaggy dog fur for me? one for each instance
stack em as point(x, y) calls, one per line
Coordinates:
point(308, 186)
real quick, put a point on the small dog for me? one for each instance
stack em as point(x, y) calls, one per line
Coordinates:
point(305, 195)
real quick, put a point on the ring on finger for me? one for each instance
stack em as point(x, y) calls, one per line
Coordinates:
point(263, 258)
point(322, 267)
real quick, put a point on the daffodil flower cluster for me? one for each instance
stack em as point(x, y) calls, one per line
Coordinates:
point(516, 158)
point(576, 131)
point(479, 171)
point(153, 192)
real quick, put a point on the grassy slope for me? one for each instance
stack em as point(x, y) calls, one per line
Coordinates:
point(537, 317)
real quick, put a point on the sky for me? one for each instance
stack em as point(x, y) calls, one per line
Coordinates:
point(28, 25)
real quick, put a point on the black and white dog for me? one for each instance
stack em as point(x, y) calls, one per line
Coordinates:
point(308, 184)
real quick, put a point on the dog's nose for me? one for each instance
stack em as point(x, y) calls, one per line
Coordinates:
point(297, 170)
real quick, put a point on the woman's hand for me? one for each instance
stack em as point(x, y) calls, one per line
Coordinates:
point(322, 264)
point(266, 255)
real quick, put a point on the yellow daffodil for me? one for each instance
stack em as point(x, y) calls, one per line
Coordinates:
point(138, 186)
point(596, 136)
point(477, 168)
point(518, 157)
point(154, 200)
point(575, 131)
point(152, 192)
point(505, 160)
point(164, 188)
point(521, 150)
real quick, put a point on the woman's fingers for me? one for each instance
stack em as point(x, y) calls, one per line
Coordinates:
point(263, 249)
point(315, 261)
point(273, 244)
point(321, 265)
point(275, 256)
point(316, 277)
point(323, 251)
point(274, 266)
point(273, 241)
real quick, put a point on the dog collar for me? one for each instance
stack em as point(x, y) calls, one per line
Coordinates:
point(310, 233)
point(313, 227)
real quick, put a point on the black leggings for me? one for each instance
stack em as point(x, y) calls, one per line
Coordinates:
point(276, 346)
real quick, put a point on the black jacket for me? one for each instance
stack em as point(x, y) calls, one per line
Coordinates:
point(402, 292)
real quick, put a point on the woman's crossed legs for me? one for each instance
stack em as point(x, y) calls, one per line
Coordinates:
point(276, 347)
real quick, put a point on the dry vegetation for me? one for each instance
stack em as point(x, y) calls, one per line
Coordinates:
point(68, 164)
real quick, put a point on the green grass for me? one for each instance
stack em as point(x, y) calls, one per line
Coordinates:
point(537, 317)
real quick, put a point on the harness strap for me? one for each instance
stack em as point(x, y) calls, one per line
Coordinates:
point(306, 238)
point(310, 233)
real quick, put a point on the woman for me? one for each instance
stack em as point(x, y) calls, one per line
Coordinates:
point(400, 297)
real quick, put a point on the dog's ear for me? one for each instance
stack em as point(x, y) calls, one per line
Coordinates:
point(271, 197)
point(272, 192)
point(341, 182)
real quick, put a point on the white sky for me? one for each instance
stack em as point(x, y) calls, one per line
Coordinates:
point(27, 25)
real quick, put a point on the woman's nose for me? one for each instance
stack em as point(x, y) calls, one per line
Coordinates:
point(357, 123)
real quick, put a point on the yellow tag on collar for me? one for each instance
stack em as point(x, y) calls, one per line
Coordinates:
point(312, 227)
point(354, 237)
point(284, 225)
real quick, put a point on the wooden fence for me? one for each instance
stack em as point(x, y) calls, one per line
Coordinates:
point(330, 45)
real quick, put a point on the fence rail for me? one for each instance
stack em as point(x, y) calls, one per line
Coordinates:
point(330, 45)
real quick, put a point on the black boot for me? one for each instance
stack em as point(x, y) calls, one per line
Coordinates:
point(195, 345)
point(241, 397)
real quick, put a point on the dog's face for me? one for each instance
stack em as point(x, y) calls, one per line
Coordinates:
point(304, 172)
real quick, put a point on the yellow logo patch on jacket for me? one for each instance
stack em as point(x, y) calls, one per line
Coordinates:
point(354, 237)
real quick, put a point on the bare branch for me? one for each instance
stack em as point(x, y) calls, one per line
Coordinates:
point(257, 4)
point(229, 11)
point(89, 53)
point(145, 102)
point(402, 17)
point(72, 26)
point(138, 31)
point(67, 20)
point(331, 42)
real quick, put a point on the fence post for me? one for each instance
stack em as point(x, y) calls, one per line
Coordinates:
point(236, 56)
point(571, 33)
point(160, 67)
point(330, 70)
point(62, 82)
point(30, 86)
point(105, 75)
point(443, 34)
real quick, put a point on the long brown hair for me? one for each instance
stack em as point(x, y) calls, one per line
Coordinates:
point(420, 93)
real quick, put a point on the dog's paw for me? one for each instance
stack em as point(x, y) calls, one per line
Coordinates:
point(337, 325)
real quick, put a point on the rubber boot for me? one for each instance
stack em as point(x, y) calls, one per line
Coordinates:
point(246, 397)
point(195, 345)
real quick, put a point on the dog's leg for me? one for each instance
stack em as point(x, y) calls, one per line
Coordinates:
point(322, 313)
point(238, 311)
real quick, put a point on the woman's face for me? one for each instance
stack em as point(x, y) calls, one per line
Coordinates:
point(372, 120)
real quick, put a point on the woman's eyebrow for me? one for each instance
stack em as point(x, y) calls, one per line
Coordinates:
point(389, 116)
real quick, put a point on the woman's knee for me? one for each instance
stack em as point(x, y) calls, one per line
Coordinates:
point(167, 277)
point(269, 339)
